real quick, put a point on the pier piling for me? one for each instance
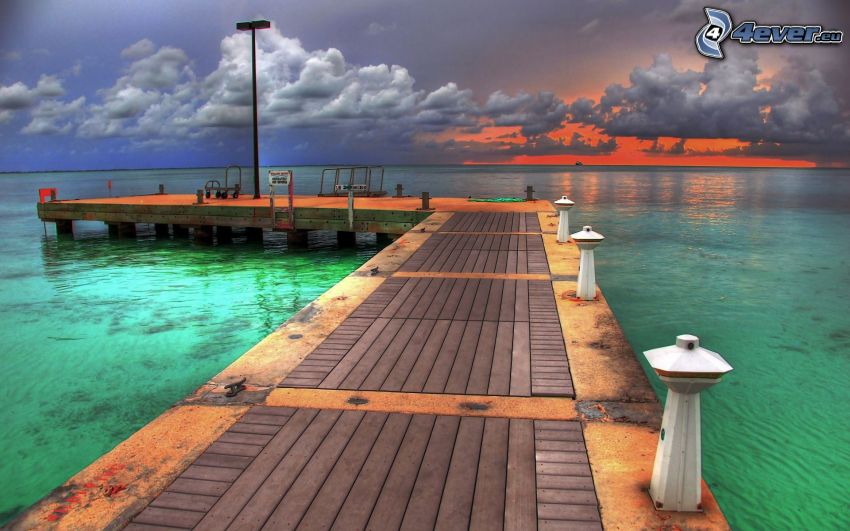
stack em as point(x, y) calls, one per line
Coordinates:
point(254, 234)
point(224, 233)
point(346, 238)
point(296, 238)
point(180, 231)
point(126, 230)
point(203, 233)
point(64, 226)
point(161, 230)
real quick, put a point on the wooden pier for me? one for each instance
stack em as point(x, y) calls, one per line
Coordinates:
point(452, 382)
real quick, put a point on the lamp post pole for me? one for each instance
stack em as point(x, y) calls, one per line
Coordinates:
point(254, 25)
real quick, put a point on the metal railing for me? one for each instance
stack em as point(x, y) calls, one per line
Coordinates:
point(353, 175)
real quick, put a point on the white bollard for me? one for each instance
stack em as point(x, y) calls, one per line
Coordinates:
point(686, 369)
point(563, 205)
point(586, 240)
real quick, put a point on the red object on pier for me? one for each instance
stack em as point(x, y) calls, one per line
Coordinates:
point(46, 193)
point(109, 184)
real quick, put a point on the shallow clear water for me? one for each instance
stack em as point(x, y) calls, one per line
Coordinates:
point(753, 261)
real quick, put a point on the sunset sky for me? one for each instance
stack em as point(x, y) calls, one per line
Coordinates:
point(166, 83)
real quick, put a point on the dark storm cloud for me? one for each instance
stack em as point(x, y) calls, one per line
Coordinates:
point(678, 148)
point(724, 100)
point(499, 150)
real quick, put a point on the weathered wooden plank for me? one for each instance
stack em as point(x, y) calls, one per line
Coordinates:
point(198, 486)
point(297, 499)
point(232, 502)
point(357, 507)
point(347, 363)
point(520, 361)
point(226, 461)
point(500, 372)
point(263, 501)
point(326, 503)
point(412, 371)
point(460, 370)
point(442, 367)
point(564, 511)
point(428, 489)
point(168, 517)
point(488, 506)
point(521, 488)
point(271, 420)
point(457, 495)
point(479, 303)
point(482, 364)
point(246, 427)
point(577, 497)
point(386, 349)
point(388, 362)
point(186, 502)
point(545, 481)
point(224, 448)
point(210, 473)
point(395, 494)
point(567, 525)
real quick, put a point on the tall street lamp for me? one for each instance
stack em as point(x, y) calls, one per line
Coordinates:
point(253, 26)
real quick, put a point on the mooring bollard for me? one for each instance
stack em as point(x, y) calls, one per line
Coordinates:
point(200, 200)
point(586, 240)
point(399, 190)
point(426, 198)
point(161, 189)
point(686, 369)
point(529, 193)
point(563, 205)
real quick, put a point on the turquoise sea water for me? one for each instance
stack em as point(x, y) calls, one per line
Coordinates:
point(99, 336)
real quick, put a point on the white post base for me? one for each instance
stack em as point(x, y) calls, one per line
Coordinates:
point(564, 226)
point(677, 473)
point(586, 285)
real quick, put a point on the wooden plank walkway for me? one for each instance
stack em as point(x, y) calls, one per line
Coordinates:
point(453, 335)
point(282, 468)
point(287, 468)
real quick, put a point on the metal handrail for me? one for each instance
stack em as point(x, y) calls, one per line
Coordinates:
point(339, 174)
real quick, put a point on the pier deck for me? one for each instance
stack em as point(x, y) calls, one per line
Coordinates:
point(450, 382)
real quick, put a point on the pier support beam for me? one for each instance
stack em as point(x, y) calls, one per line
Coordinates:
point(224, 233)
point(254, 234)
point(180, 231)
point(203, 233)
point(161, 230)
point(296, 238)
point(113, 229)
point(126, 230)
point(64, 227)
point(346, 238)
point(385, 237)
